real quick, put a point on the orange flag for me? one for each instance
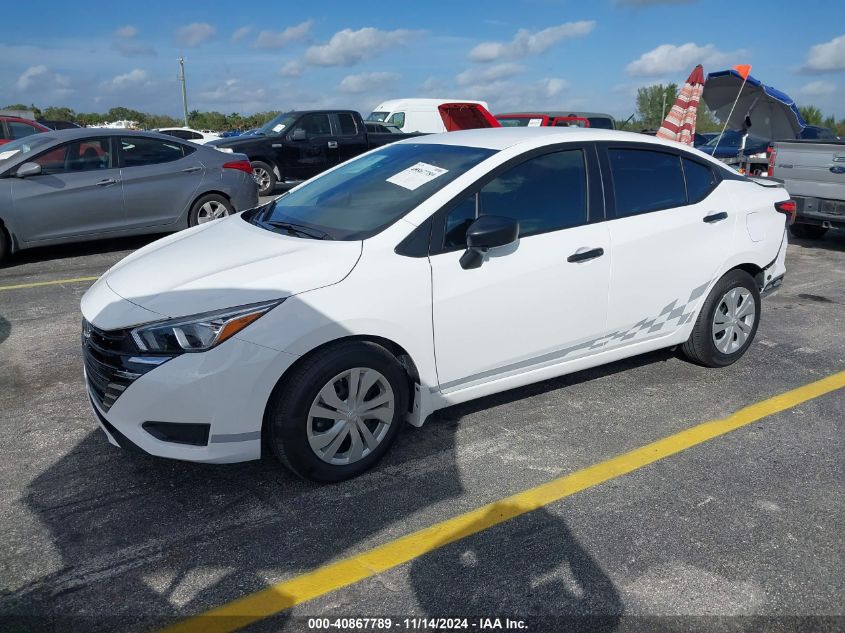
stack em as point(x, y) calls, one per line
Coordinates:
point(743, 70)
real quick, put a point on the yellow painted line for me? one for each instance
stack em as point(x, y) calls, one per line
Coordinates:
point(36, 284)
point(323, 580)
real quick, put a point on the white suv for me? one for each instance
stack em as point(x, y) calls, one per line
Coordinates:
point(423, 274)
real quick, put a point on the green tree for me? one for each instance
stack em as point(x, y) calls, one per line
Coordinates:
point(58, 113)
point(812, 115)
point(653, 102)
point(705, 121)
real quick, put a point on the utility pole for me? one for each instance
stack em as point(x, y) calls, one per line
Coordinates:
point(184, 91)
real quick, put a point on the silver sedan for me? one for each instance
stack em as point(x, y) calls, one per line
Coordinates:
point(84, 184)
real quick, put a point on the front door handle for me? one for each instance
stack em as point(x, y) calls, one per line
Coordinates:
point(191, 170)
point(108, 182)
point(716, 217)
point(332, 144)
point(276, 145)
point(584, 255)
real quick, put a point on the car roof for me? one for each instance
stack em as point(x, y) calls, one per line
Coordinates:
point(500, 138)
point(557, 113)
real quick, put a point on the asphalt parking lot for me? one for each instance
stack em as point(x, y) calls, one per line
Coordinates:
point(742, 532)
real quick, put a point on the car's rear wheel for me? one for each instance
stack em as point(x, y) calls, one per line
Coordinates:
point(5, 245)
point(339, 412)
point(807, 231)
point(210, 207)
point(727, 322)
point(264, 176)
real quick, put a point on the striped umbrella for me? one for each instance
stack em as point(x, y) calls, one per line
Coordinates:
point(679, 124)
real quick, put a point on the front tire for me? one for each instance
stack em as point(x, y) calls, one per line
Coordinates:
point(339, 412)
point(727, 322)
point(264, 176)
point(808, 231)
point(5, 245)
point(209, 207)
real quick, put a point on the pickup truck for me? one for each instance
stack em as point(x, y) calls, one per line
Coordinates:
point(295, 146)
point(813, 172)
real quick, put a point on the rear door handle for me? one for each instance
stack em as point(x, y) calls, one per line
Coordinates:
point(584, 255)
point(716, 217)
point(276, 145)
point(107, 182)
point(190, 170)
point(333, 144)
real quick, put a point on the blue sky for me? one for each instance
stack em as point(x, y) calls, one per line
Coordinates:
point(522, 54)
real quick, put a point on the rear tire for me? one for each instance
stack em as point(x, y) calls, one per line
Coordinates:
point(323, 448)
point(808, 231)
point(5, 245)
point(265, 177)
point(727, 322)
point(209, 207)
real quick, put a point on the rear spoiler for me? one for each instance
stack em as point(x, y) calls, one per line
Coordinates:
point(772, 183)
point(466, 116)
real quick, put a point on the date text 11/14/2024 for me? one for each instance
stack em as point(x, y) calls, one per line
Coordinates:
point(416, 624)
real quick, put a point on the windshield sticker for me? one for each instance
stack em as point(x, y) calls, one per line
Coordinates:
point(416, 176)
point(279, 127)
point(535, 122)
point(8, 154)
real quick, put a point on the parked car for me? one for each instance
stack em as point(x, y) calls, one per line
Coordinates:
point(382, 128)
point(811, 132)
point(557, 119)
point(429, 272)
point(728, 146)
point(423, 115)
point(702, 138)
point(13, 127)
point(295, 146)
point(58, 125)
point(78, 185)
point(200, 137)
point(814, 174)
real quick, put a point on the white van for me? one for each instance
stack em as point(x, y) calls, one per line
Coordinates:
point(416, 115)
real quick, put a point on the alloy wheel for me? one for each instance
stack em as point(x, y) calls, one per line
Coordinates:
point(350, 416)
point(211, 210)
point(262, 177)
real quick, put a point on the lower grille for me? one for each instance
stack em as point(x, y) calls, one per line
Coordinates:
point(109, 366)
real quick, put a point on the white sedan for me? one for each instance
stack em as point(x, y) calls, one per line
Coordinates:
point(200, 137)
point(420, 275)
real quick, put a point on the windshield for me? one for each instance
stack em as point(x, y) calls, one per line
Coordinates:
point(520, 121)
point(23, 145)
point(730, 137)
point(377, 116)
point(370, 193)
point(600, 122)
point(277, 124)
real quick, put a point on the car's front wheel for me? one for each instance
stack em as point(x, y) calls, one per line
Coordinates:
point(5, 244)
point(264, 176)
point(727, 322)
point(339, 412)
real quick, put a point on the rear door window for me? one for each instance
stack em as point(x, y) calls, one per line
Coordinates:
point(348, 127)
point(138, 151)
point(646, 180)
point(700, 180)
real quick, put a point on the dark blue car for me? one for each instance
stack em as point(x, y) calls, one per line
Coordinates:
point(729, 144)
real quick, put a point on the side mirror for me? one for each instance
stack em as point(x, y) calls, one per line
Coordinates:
point(488, 231)
point(298, 134)
point(28, 169)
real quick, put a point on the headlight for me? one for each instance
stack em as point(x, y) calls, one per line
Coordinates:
point(200, 332)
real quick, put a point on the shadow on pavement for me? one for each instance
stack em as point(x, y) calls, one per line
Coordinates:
point(5, 329)
point(833, 240)
point(81, 249)
point(142, 542)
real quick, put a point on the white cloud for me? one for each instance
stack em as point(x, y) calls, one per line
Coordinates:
point(818, 88)
point(126, 32)
point(241, 33)
point(826, 57)
point(348, 47)
point(32, 76)
point(550, 93)
point(273, 39)
point(125, 41)
point(668, 58)
point(195, 34)
point(233, 91)
point(364, 82)
point(527, 43)
point(292, 68)
point(488, 74)
point(136, 77)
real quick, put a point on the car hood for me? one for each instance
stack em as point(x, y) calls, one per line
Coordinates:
point(227, 263)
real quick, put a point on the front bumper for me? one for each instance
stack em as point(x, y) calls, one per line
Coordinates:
point(226, 388)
